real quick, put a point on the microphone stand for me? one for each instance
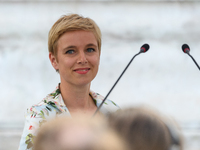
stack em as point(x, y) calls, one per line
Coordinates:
point(115, 83)
point(194, 60)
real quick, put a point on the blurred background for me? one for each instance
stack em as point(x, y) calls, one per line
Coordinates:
point(164, 78)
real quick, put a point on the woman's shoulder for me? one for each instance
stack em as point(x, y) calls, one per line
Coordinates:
point(108, 105)
point(50, 105)
point(39, 113)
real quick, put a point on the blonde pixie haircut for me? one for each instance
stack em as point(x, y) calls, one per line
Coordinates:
point(72, 22)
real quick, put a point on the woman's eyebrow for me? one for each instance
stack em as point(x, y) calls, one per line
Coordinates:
point(92, 45)
point(68, 47)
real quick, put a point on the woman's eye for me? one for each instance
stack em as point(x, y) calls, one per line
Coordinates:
point(90, 50)
point(70, 52)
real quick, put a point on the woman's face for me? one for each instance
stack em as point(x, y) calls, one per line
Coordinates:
point(77, 57)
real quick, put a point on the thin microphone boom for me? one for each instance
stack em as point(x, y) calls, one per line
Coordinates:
point(144, 48)
point(186, 49)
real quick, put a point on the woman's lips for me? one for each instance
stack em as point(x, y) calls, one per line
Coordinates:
point(82, 70)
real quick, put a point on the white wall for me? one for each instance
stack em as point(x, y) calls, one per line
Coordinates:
point(164, 77)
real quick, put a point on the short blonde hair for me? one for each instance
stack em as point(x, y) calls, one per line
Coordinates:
point(72, 22)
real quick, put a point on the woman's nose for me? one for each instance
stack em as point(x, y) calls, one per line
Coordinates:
point(82, 58)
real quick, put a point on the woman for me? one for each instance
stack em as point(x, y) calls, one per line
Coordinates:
point(74, 45)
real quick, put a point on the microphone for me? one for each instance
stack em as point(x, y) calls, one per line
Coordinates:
point(144, 48)
point(186, 49)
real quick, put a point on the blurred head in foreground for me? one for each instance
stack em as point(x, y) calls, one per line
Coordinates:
point(77, 134)
point(145, 129)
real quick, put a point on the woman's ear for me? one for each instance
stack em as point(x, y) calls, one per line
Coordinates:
point(53, 60)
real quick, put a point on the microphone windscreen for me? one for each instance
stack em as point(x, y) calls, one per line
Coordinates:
point(185, 48)
point(144, 48)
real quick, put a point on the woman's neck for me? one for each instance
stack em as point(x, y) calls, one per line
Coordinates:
point(77, 98)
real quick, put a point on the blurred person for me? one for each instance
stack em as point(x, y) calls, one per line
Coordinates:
point(145, 129)
point(74, 45)
point(77, 133)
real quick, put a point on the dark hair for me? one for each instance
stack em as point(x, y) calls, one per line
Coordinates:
point(143, 129)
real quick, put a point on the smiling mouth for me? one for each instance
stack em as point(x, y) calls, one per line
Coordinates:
point(82, 71)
